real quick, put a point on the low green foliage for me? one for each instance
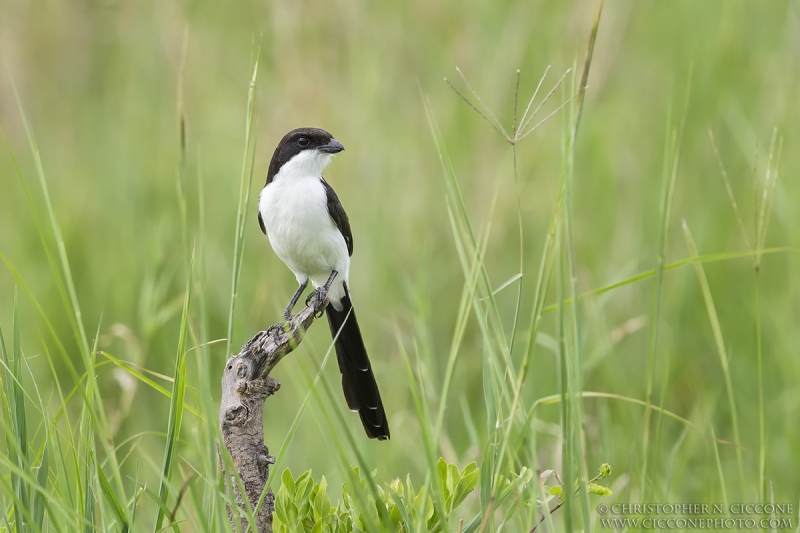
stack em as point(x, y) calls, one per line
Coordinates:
point(303, 505)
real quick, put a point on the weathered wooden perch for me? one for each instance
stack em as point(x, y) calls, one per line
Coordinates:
point(246, 384)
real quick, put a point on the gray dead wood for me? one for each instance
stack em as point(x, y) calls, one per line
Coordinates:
point(246, 384)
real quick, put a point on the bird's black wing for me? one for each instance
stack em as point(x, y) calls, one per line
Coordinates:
point(336, 211)
point(261, 223)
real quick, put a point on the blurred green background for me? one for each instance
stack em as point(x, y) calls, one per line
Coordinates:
point(100, 84)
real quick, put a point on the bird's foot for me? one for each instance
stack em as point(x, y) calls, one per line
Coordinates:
point(317, 297)
point(274, 330)
point(311, 295)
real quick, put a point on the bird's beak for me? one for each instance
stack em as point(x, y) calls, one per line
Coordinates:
point(333, 147)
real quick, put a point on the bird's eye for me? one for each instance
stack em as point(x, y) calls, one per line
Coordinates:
point(302, 141)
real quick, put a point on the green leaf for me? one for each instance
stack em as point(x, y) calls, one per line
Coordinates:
point(288, 481)
point(452, 481)
point(304, 485)
point(292, 516)
point(285, 508)
point(281, 503)
point(321, 501)
point(468, 480)
point(445, 482)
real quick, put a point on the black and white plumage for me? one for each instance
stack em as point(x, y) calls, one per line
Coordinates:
point(310, 232)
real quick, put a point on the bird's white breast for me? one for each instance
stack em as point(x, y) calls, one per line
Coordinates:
point(295, 214)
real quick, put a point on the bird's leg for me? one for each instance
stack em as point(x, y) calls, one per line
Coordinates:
point(317, 294)
point(328, 283)
point(287, 313)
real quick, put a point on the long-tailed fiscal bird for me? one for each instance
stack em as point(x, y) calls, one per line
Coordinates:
point(309, 231)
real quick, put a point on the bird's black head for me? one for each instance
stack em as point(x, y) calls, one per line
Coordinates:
point(314, 145)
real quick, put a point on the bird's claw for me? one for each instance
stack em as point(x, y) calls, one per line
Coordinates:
point(310, 296)
point(274, 330)
point(313, 296)
point(317, 297)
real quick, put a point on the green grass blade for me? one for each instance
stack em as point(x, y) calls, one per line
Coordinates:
point(89, 517)
point(668, 180)
point(41, 480)
point(465, 308)
point(720, 472)
point(127, 367)
point(720, 344)
point(176, 407)
point(762, 433)
point(74, 307)
point(564, 388)
point(108, 492)
point(709, 258)
point(470, 238)
point(672, 156)
point(574, 380)
point(245, 183)
point(96, 421)
point(14, 406)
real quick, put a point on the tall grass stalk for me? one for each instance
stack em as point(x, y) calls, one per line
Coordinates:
point(675, 166)
point(720, 472)
point(510, 393)
point(721, 352)
point(573, 429)
point(470, 249)
point(176, 407)
point(564, 388)
point(245, 183)
point(520, 232)
point(209, 436)
point(430, 446)
point(494, 325)
point(180, 184)
point(499, 390)
point(672, 155)
point(94, 424)
point(763, 210)
point(667, 193)
point(763, 199)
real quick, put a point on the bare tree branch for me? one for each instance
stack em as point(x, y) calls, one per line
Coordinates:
point(246, 384)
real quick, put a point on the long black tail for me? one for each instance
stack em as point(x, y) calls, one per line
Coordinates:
point(358, 382)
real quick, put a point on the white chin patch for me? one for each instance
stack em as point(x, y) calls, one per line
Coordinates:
point(307, 162)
